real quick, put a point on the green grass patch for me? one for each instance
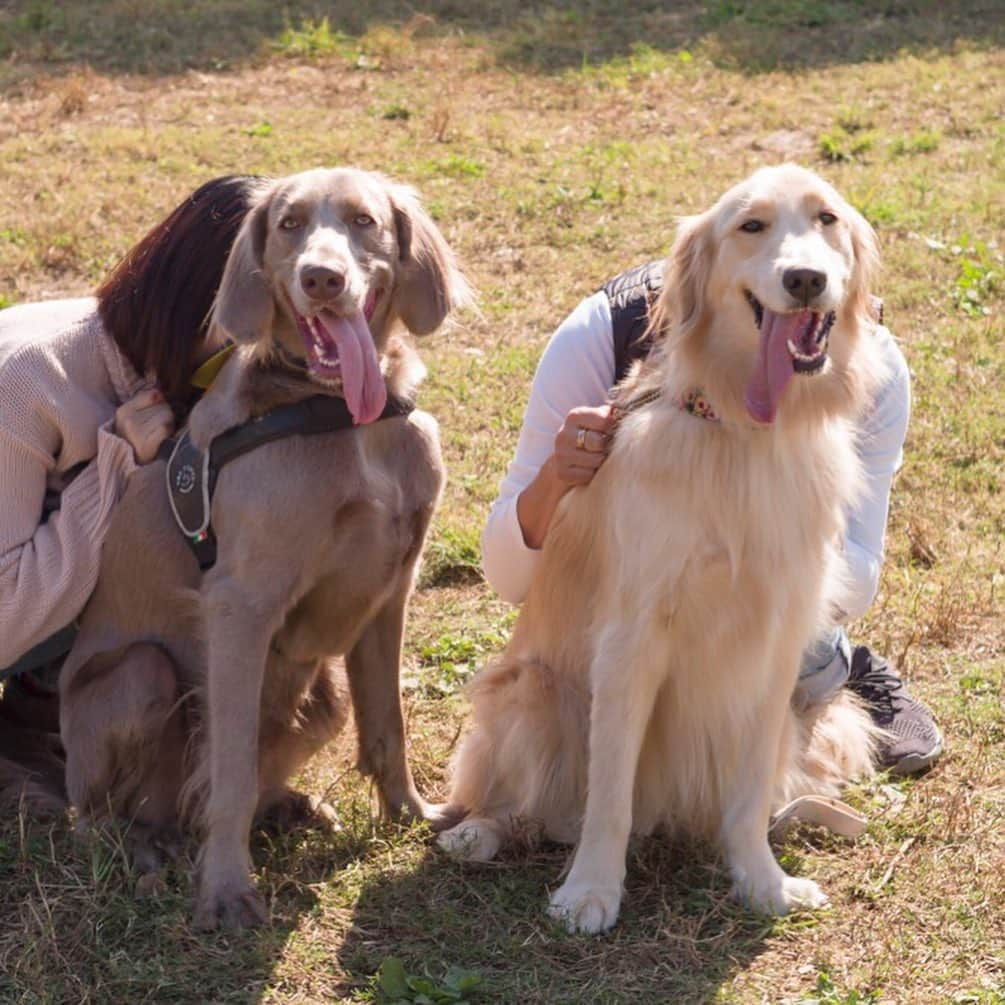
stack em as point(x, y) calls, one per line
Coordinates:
point(449, 662)
point(452, 556)
point(839, 144)
point(828, 993)
point(313, 39)
point(455, 166)
point(979, 276)
point(923, 142)
point(398, 987)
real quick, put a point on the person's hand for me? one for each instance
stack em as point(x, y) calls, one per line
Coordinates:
point(581, 444)
point(145, 421)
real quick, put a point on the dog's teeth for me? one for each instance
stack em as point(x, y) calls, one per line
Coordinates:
point(796, 354)
point(326, 353)
point(802, 356)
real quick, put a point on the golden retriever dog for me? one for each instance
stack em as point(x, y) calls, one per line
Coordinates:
point(192, 698)
point(648, 680)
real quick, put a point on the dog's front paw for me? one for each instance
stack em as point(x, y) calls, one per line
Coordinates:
point(789, 894)
point(475, 840)
point(230, 909)
point(584, 908)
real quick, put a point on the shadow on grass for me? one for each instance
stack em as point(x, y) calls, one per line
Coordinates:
point(165, 36)
point(73, 929)
point(679, 938)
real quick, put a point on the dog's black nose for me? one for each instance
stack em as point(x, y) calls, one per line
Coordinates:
point(804, 285)
point(321, 283)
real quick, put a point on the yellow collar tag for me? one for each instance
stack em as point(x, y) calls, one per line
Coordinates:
point(207, 372)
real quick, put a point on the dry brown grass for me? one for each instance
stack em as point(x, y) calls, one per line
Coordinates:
point(555, 154)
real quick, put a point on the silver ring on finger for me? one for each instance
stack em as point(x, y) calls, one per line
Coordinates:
point(581, 438)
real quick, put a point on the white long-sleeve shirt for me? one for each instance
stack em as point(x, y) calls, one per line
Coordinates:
point(577, 369)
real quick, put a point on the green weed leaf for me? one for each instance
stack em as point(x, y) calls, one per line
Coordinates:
point(392, 978)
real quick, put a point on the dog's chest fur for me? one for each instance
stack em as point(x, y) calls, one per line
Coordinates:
point(681, 489)
point(347, 533)
point(708, 533)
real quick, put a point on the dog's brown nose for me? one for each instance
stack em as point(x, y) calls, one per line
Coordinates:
point(321, 283)
point(804, 285)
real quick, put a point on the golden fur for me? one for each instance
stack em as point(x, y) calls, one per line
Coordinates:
point(648, 680)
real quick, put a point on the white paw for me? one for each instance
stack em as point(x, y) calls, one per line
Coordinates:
point(472, 840)
point(790, 894)
point(584, 908)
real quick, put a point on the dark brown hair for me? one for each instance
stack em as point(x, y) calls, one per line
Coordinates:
point(156, 303)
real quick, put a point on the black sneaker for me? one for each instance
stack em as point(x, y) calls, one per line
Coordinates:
point(912, 742)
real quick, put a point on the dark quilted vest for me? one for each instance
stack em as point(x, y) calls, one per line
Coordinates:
point(631, 295)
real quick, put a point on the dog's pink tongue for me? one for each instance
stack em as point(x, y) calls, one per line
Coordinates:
point(773, 368)
point(362, 382)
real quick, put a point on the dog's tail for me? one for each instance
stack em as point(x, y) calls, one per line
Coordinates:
point(523, 759)
point(835, 744)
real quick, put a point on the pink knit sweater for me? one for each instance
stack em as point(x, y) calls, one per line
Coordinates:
point(61, 380)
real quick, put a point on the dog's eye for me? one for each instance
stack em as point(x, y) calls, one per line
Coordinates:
point(753, 226)
point(363, 220)
point(827, 218)
point(289, 223)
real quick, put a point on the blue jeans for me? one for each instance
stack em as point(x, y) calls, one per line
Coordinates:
point(825, 668)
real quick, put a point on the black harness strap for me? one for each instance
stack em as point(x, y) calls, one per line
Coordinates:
point(192, 473)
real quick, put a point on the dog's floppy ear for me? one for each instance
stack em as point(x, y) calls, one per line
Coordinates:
point(244, 305)
point(429, 284)
point(681, 304)
point(866, 251)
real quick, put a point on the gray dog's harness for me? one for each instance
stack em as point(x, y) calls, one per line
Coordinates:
point(191, 476)
point(191, 472)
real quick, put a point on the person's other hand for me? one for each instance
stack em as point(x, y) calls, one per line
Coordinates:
point(145, 421)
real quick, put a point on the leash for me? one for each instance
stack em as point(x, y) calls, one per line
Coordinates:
point(618, 412)
point(694, 403)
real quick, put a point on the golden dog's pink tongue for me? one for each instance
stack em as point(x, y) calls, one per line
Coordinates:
point(773, 368)
point(362, 382)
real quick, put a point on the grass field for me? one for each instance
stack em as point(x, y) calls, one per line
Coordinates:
point(555, 143)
